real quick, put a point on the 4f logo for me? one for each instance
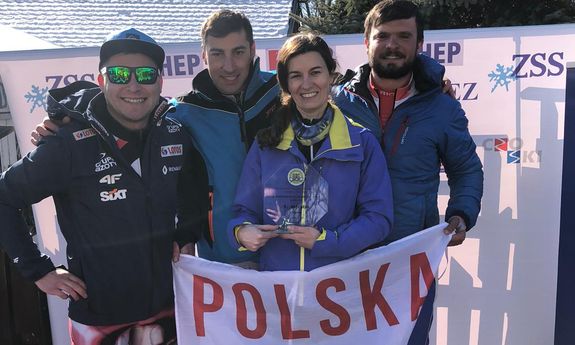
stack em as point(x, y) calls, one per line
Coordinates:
point(114, 194)
point(110, 179)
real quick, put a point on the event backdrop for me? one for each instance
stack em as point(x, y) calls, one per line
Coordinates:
point(500, 286)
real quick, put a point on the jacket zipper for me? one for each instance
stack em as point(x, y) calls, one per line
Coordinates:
point(239, 102)
point(400, 135)
point(243, 134)
point(303, 214)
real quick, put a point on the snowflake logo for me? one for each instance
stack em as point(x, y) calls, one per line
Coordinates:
point(502, 76)
point(37, 97)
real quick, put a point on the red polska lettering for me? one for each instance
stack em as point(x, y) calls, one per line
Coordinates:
point(333, 313)
point(331, 306)
point(242, 312)
point(200, 306)
point(372, 297)
point(285, 313)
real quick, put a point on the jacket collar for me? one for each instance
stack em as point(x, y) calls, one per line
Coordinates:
point(80, 100)
point(203, 83)
point(340, 138)
point(72, 100)
point(427, 75)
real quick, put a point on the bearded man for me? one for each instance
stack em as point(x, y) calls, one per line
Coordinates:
point(398, 96)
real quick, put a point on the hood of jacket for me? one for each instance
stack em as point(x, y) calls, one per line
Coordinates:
point(76, 101)
point(72, 100)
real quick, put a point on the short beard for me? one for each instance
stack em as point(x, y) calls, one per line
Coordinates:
point(391, 71)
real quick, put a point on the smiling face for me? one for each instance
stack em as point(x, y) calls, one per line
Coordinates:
point(309, 84)
point(130, 104)
point(229, 60)
point(392, 48)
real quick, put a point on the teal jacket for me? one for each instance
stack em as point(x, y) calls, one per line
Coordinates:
point(223, 130)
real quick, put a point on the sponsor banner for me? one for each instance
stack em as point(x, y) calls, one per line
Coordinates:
point(373, 296)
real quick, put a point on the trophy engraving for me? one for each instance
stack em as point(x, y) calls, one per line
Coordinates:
point(295, 197)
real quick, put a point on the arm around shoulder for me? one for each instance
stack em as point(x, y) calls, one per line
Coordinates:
point(194, 200)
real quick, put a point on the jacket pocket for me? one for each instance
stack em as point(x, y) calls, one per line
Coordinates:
point(75, 267)
point(399, 137)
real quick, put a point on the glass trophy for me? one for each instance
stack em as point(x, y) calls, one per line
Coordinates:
point(295, 196)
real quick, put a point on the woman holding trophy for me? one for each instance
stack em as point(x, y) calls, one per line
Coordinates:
point(315, 187)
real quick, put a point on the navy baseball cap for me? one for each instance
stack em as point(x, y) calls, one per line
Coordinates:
point(130, 41)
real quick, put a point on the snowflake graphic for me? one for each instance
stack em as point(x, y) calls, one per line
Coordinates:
point(502, 76)
point(37, 97)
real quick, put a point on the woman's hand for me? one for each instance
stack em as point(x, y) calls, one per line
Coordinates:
point(303, 236)
point(253, 236)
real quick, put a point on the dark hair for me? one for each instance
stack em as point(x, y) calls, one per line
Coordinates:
point(388, 10)
point(296, 45)
point(223, 22)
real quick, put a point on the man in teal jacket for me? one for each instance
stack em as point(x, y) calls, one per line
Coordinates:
point(230, 102)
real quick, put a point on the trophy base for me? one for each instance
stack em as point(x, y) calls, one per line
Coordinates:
point(282, 231)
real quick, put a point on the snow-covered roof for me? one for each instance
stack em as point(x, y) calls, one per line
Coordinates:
point(85, 23)
point(13, 39)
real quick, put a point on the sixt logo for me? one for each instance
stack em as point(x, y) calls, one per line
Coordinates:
point(513, 149)
point(114, 194)
point(172, 150)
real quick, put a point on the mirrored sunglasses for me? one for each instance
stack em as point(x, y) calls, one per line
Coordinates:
point(122, 74)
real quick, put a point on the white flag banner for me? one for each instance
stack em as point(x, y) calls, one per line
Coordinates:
point(373, 296)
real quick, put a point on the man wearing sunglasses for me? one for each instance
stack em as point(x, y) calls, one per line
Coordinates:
point(231, 100)
point(119, 172)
